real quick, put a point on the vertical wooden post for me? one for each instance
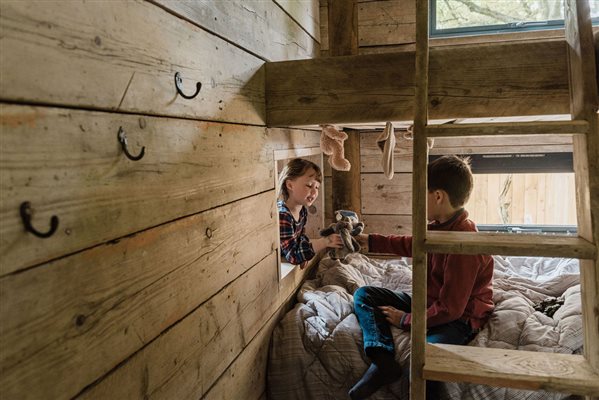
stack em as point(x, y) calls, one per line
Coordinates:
point(343, 41)
point(419, 200)
point(584, 106)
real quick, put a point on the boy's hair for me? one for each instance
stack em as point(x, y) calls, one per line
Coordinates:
point(453, 175)
point(294, 169)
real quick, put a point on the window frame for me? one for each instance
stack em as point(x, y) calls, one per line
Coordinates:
point(492, 29)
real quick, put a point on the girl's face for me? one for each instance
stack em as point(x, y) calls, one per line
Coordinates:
point(303, 190)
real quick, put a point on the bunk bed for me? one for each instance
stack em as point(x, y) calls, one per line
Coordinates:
point(317, 353)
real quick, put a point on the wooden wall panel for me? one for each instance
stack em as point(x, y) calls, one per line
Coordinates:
point(69, 163)
point(388, 224)
point(371, 155)
point(503, 144)
point(380, 87)
point(185, 361)
point(123, 56)
point(383, 196)
point(380, 23)
point(260, 27)
point(67, 323)
point(306, 13)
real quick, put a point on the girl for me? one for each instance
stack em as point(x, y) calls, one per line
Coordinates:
point(299, 183)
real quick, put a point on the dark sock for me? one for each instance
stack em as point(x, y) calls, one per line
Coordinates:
point(383, 371)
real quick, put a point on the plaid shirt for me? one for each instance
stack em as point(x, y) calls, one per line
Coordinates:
point(295, 245)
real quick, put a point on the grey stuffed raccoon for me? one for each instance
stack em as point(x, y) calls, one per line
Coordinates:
point(347, 226)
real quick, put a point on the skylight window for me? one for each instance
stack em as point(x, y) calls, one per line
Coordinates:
point(470, 17)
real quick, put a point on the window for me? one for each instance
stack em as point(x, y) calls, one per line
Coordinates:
point(523, 193)
point(469, 17)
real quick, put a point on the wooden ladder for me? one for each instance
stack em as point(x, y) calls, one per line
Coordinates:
point(569, 373)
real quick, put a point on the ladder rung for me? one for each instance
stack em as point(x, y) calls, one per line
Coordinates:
point(568, 373)
point(508, 128)
point(508, 244)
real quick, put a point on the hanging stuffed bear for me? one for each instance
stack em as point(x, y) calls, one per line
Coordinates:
point(347, 226)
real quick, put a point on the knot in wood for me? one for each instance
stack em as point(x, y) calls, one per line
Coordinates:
point(208, 233)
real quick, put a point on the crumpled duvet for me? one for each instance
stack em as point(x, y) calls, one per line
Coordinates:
point(316, 349)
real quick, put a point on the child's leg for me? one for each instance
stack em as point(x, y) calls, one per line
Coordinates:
point(375, 328)
point(378, 340)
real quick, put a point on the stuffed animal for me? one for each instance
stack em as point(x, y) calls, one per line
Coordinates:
point(347, 226)
point(331, 143)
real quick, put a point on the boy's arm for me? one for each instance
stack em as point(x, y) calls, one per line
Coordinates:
point(394, 244)
point(459, 277)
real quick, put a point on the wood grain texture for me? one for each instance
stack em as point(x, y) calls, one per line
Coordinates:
point(380, 23)
point(383, 196)
point(380, 87)
point(69, 322)
point(371, 154)
point(502, 144)
point(582, 70)
point(110, 56)
point(185, 361)
point(509, 244)
point(306, 13)
point(388, 224)
point(511, 128)
point(69, 163)
point(519, 369)
point(273, 30)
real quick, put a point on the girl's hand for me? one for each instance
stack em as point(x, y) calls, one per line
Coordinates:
point(334, 240)
point(392, 315)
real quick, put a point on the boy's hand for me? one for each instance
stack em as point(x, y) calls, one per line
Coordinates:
point(392, 314)
point(362, 239)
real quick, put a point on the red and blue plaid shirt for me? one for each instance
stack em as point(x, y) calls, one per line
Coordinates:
point(295, 245)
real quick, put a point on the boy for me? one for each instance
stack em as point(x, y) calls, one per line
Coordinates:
point(459, 292)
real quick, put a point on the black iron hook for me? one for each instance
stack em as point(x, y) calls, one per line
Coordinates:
point(123, 140)
point(179, 82)
point(26, 217)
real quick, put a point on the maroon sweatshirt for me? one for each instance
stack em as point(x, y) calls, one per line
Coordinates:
point(459, 286)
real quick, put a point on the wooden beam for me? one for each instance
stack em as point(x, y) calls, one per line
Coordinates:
point(582, 70)
point(498, 79)
point(343, 41)
point(530, 370)
point(509, 244)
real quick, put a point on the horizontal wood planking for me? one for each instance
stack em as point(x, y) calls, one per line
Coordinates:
point(380, 23)
point(380, 87)
point(71, 321)
point(261, 27)
point(568, 373)
point(388, 224)
point(111, 56)
point(306, 13)
point(383, 196)
point(241, 382)
point(371, 154)
point(509, 244)
point(511, 128)
point(69, 163)
point(185, 361)
point(502, 145)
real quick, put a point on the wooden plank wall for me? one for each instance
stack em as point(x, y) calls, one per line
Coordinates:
point(161, 280)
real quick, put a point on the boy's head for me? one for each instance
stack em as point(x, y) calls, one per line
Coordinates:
point(451, 174)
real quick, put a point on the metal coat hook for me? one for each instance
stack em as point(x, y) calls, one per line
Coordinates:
point(26, 217)
point(179, 82)
point(123, 140)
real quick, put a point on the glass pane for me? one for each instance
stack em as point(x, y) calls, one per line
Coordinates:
point(513, 13)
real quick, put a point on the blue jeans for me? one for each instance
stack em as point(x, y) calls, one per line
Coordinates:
point(377, 331)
